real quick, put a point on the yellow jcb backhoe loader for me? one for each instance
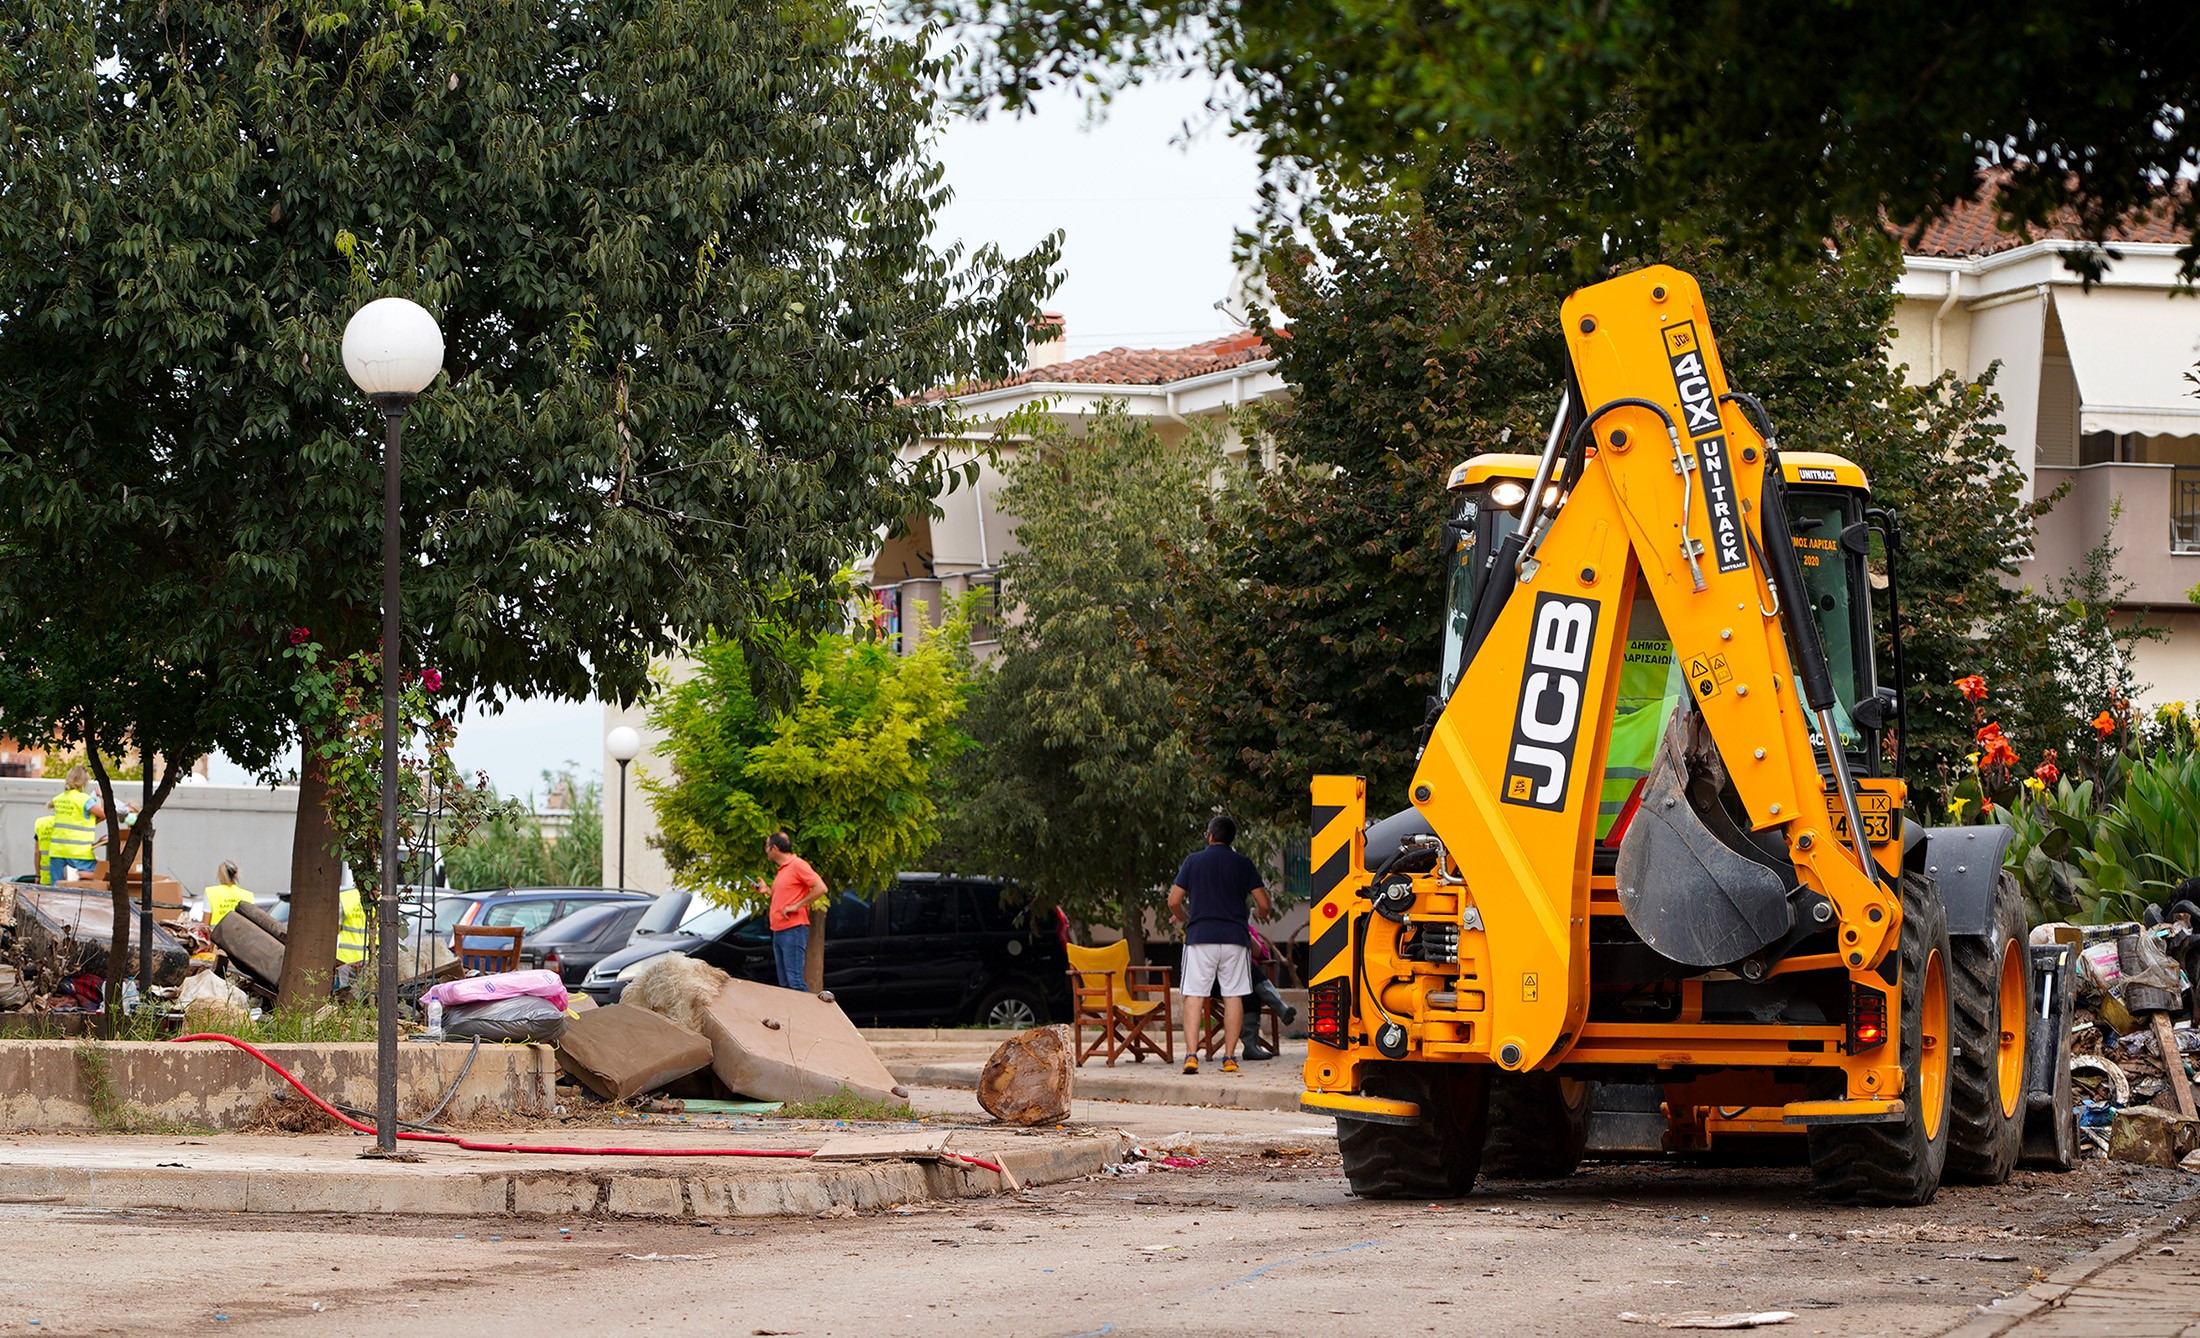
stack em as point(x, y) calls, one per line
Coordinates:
point(1656, 843)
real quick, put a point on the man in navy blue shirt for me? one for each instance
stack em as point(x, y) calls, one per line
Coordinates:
point(1209, 898)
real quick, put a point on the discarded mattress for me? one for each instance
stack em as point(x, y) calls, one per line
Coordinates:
point(785, 1045)
point(621, 1051)
point(503, 985)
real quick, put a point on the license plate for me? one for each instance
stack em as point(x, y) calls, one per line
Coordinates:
point(1882, 819)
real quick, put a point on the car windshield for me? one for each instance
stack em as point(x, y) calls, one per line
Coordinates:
point(448, 912)
point(709, 920)
point(585, 923)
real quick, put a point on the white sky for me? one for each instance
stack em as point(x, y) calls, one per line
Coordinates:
point(1148, 218)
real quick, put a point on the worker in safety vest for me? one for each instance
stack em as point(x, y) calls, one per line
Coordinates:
point(225, 896)
point(351, 933)
point(44, 830)
point(76, 819)
point(1649, 688)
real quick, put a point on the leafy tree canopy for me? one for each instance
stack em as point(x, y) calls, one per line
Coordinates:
point(681, 255)
point(846, 769)
point(1418, 338)
point(1081, 784)
point(1801, 116)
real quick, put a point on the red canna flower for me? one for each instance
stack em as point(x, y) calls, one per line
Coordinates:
point(1973, 687)
point(2104, 724)
point(2048, 772)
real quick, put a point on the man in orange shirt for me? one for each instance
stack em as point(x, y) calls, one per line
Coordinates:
point(795, 888)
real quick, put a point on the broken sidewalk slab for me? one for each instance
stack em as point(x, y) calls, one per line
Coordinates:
point(619, 1052)
point(917, 1145)
point(784, 1045)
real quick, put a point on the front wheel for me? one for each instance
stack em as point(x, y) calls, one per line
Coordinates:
point(1437, 1158)
point(1991, 994)
point(1901, 1163)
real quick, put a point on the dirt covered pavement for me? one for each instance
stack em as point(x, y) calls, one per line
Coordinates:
point(1258, 1240)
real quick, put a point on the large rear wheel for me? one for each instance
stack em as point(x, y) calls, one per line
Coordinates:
point(1538, 1126)
point(1437, 1158)
point(1901, 1163)
point(1991, 992)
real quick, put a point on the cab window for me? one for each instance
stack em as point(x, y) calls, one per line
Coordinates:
point(1833, 584)
point(1476, 529)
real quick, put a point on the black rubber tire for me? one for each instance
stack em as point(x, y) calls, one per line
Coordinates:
point(1896, 1163)
point(1026, 995)
point(1983, 1142)
point(1437, 1158)
point(1538, 1126)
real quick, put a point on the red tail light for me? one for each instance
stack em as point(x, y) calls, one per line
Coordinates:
point(551, 963)
point(1061, 926)
point(1328, 1011)
point(1867, 1018)
point(1626, 815)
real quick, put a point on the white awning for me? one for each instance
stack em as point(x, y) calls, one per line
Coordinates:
point(2132, 351)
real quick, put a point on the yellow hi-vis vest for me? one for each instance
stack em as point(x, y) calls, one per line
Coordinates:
point(45, 838)
point(73, 828)
point(1649, 686)
point(351, 934)
point(222, 898)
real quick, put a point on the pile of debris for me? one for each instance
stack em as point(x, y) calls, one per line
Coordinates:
point(686, 1029)
point(2132, 1058)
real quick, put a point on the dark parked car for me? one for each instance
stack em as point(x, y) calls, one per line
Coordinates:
point(530, 908)
point(935, 950)
point(571, 945)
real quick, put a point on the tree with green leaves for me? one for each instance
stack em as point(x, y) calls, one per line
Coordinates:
point(520, 849)
point(1424, 331)
point(680, 252)
point(847, 768)
point(1767, 125)
point(1081, 785)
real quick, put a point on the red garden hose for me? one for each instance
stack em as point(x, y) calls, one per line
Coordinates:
point(470, 1146)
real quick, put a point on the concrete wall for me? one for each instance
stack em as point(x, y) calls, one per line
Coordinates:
point(2079, 521)
point(198, 827)
point(42, 1087)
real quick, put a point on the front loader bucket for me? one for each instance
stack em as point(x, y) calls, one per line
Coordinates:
point(1689, 894)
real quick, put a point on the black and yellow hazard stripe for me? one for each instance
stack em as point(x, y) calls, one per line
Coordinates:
point(1339, 846)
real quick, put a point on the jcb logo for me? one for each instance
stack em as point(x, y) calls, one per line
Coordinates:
point(1559, 644)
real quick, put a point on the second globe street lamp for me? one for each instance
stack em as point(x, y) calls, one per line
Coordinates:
point(393, 350)
point(624, 745)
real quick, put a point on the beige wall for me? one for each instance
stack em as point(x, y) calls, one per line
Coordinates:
point(2170, 669)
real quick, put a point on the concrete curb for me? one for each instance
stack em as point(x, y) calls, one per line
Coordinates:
point(1163, 1087)
point(2050, 1291)
point(591, 1188)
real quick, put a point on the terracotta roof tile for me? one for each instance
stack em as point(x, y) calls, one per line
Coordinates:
point(1970, 229)
point(1134, 366)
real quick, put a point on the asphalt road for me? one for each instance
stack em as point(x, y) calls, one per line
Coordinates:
point(1245, 1244)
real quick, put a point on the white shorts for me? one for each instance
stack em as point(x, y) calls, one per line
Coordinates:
point(1209, 964)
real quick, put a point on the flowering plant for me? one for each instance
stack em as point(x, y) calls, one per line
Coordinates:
point(340, 719)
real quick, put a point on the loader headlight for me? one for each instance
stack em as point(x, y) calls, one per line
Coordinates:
point(1506, 494)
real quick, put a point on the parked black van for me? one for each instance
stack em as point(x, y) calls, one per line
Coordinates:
point(934, 950)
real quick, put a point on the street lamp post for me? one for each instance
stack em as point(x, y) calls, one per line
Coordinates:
point(624, 745)
point(392, 349)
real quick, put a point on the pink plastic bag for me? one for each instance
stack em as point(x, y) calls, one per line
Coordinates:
point(504, 985)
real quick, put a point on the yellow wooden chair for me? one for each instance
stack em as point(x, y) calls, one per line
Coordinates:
point(1123, 1002)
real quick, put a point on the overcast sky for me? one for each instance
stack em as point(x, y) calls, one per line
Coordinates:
point(1148, 219)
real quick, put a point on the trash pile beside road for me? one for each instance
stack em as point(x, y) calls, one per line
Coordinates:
point(2132, 1058)
point(683, 1028)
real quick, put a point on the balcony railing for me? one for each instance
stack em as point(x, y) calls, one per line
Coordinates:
point(2184, 509)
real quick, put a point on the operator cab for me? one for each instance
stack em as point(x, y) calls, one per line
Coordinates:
point(1828, 513)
